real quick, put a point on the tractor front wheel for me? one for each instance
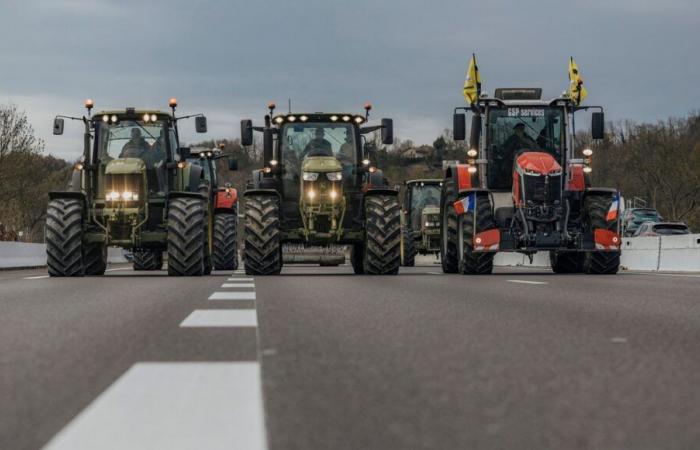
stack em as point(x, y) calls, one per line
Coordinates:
point(600, 262)
point(64, 238)
point(408, 254)
point(95, 259)
point(476, 263)
point(225, 243)
point(148, 260)
point(449, 240)
point(382, 252)
point(186, 237)
point(262, 254)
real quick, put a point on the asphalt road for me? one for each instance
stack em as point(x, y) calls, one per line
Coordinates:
point(522, 359)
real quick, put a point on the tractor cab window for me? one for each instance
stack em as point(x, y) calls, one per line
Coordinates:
point(422, 196)
point(513, 129)
point(208, 168)
point(132, 139)
point(300, 141)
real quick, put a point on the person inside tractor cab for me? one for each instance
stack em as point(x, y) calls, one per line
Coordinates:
point(318, 146)
point(423, 197)
point(519, 140)
point(136, 146)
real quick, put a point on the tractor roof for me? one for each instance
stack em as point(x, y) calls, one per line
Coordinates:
point(424, 181)
point(131, 112)
point(319, 117)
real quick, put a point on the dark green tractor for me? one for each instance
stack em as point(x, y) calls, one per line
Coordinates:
point(131, 189)
point(420, 224)
point(318, 187)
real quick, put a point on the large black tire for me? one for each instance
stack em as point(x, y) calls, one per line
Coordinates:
point(567, 262)
point(64, 238)
point(225, 243)
point(449, 240)
point(148, 259)
point(262, 254)
point(186, 237)
point(476, 263)
point(597, 262)
point(357, 252)
point(408, 253)
point(382, 253)
point(95, 260)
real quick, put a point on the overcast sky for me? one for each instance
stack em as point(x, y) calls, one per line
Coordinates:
point(639, 58)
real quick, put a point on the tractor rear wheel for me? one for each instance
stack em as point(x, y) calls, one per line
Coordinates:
point(148, 260)
point(382, 252)
point(567, 262)
point(409, 249)
point(186, 237)
point(225, 242)
point(64, 238)
point(262, 254)
point(356, 258)
point(598, 262)
point(476, 263)
point(449, 242)
point(95, 260)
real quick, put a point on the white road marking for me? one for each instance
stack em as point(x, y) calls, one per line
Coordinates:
point(232, 296)
point(238, 285)
point(221, 318)
point(35, 278)
point(527, 282)
point(435, 273)
point(174, 406)
point(239, 279)
point(119, 268)
point(618, 340)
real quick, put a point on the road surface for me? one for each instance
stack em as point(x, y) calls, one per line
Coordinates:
point(318, 358)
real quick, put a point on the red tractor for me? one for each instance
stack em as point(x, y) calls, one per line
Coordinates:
point(523, 189)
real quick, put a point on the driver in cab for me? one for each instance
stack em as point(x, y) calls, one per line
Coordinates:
point(136, 146)
point(318, 146)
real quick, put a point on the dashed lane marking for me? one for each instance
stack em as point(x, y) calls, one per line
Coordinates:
point(118, 268)
point(238, 285)
point(239, 279)
point(175, 406)
point(232, 296)
point(36, 277)
point(527, 282)
point(221, 318)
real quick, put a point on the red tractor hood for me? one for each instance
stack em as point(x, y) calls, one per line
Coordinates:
point(538, 162)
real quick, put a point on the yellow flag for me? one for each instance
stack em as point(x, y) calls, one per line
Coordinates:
point(577, 92)
point(472, 84)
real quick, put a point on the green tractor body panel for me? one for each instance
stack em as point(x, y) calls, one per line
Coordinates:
point(430, 229)
point(321, 201)
point(125, 166)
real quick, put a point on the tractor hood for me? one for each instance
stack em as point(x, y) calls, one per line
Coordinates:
point(125, 166)
point(539, 163)
point(321, 164)
point(431, 210)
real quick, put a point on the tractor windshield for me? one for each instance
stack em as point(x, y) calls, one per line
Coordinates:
point(299, 141)
point(132, 139)
point(421, 196)
point(512, 129)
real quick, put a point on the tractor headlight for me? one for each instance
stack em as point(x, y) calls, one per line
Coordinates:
point(127, 196)
point(310, 176)
point(334, 195)
point(113, 196)
point(334, 176)
point(311, 194)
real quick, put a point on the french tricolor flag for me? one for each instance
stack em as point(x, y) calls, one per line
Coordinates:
point(614, 208)
point(466, 204)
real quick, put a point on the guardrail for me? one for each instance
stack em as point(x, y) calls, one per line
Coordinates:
point(21, 255)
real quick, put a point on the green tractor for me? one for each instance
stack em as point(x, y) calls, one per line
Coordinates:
point(318, 187)
point(223, 209)
point(420, 224)
point(133, 189)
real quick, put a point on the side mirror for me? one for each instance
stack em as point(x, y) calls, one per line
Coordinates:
point(200, 124)
point(232, 163)
point(387, 131)
point(597, 125)
point(246, 132)
point(459, 125)
point(58, 126)
point(185, 153)
point(475, 132)
point(268, 146)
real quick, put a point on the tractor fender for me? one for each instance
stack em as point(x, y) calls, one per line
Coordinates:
point(254, 191)
point(196, 175)
point(225, 199)
point(181, 194)
point(460, 173)
point(374, 180)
